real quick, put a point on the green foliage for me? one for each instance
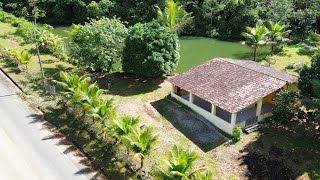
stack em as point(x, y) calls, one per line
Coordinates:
point(17, 57)
point(25, 58)
point(179, 165)
point(99, 9)
point(256, 37)
point(174, 16)
point(98, 45)
point(228, 17)
point(70, 82)
point(122, 126)
point(137, 11)
point(141, 141)
point(49, 42)
point(310, 45)
point(307, 74)
point(24, 27)
point(151, 50)
point(236, 136)
point(278, 34)
point(285, 106)
point(25, 30)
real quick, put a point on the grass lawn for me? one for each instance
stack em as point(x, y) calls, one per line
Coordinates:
point(140, 96)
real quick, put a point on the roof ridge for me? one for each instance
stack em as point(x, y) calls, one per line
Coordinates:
point(223, 59)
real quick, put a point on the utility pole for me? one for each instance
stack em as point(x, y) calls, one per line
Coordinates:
point(37, 45)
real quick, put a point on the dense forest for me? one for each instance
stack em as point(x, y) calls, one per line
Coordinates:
point(224, 19)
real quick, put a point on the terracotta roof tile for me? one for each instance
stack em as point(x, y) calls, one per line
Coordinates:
point(232, 84)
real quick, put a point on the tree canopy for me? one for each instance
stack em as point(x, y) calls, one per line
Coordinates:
point(151, 50)
point(97, 45)
point(228, 18)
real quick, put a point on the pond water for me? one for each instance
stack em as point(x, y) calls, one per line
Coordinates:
point(197, 50)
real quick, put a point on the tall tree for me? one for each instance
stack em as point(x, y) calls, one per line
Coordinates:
point(174, 16)
point(255, 37)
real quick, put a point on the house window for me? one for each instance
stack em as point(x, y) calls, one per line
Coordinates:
point(202, 103)
point(223, 114)
point(182, 93)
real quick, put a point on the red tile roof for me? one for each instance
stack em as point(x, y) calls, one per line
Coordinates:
point(232, 84)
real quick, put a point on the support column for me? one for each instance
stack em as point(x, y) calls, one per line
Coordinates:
point(214, 109)
point(191, 97)
point(259, 107)
point(173, 89)
point(233, 119)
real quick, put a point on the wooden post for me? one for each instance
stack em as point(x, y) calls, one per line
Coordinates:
point(191, 97)
point(213, 109)
point(233, 119)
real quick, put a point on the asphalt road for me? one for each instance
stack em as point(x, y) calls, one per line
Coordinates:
point(25, 150)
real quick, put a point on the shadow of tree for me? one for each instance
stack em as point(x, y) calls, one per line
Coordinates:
point(249, 56)
point(11, 68)
point(284, 152)
point(124, 84)
point(194, 127)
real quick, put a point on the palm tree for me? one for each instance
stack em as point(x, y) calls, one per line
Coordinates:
point(277, 34)
point(141, 141)
point(122, 126)
point(255, 37)
point(102, 109)
point(70, 82)
point(179, 165)
point(174, 16)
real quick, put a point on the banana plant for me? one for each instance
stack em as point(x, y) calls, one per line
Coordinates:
point(14, 54)
point(25, 58)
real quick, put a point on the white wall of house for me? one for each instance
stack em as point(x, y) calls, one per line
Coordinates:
point(218, 122)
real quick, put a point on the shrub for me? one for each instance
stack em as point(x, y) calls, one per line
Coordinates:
point(285, 106)
point(98, 45)
point(49, 42)
point(151, 50)
point(236, 136)
point(25, 30)
point(307, 74)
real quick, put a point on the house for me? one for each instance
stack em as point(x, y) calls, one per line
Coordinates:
point(229, 92)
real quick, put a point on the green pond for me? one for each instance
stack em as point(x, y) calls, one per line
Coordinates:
point(197, 50)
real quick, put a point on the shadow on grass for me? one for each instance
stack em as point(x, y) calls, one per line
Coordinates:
point(53, 72)
point(11, 68)
point(284, 152)
point(124, 84)
point(97, 151)
point(249, 56)
point(194, 127)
